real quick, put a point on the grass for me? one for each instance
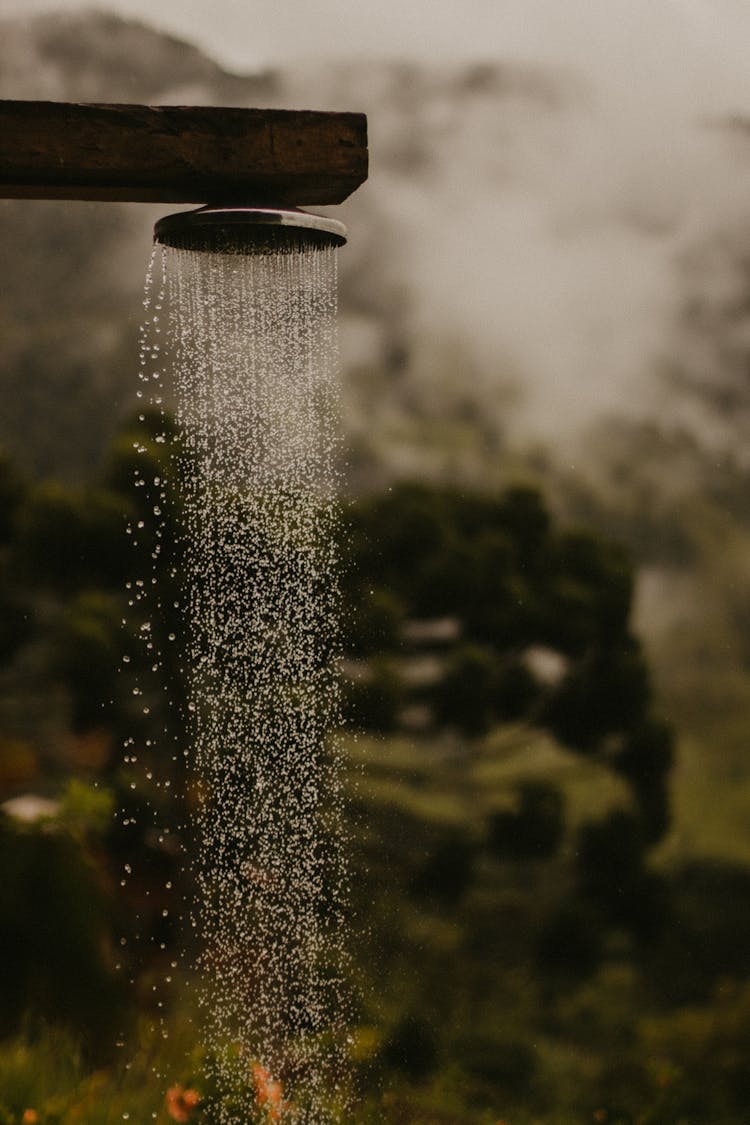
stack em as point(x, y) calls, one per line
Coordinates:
point(47, 1075)
point(711, 809)
point(515, 754)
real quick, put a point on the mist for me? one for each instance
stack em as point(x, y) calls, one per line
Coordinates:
point(576, 231)
point(551, 237)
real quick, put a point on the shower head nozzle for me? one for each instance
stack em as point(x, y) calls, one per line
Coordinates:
point(248, 230)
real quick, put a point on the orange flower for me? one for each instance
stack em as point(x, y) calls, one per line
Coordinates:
point(268, 1093)
point(30, 1117)
point(181, 1102)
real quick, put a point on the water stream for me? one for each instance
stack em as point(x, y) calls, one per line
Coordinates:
point(249, 342)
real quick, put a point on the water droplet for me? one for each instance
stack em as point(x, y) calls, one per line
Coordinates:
point(259, 497)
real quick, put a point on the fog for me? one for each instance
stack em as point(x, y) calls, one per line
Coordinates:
point(575, 265)
point(554, 232)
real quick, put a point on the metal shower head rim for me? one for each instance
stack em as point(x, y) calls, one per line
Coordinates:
point(183, 227)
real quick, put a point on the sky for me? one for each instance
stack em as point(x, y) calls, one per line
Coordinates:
point(709, 37)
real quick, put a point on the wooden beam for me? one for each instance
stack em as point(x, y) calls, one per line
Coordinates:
point(179, 154)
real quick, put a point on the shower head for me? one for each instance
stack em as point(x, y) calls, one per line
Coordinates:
point(248, 230)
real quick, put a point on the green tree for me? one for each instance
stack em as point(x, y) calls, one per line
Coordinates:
point(534, 828)
point(511, 581)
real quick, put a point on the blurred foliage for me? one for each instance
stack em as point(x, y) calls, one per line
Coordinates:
point(54, 935)
point(519, 953)
point(534, 828)
point(515, 588)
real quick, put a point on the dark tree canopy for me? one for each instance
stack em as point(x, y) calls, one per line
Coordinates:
point(514, 586)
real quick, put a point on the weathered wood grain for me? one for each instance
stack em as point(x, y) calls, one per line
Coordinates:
point(179, 154)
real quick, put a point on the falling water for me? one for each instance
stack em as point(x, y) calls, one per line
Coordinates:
point(251, 340)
